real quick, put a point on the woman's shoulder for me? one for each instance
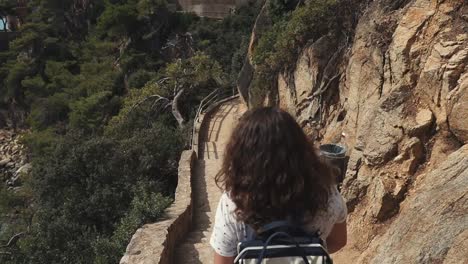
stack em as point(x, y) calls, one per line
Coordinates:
point(335, 212)
point(226, 200)
point(227, 207)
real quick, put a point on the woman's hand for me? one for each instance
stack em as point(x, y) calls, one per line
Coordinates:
point(218, 259)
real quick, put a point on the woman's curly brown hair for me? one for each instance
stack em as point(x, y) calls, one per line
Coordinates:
point(271, 170)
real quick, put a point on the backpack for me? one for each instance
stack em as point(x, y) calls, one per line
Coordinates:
point(282, 243)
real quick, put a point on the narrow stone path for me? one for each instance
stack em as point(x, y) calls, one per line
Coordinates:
point(214, 136)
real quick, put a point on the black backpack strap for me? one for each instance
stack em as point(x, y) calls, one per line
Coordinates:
point(267, 243)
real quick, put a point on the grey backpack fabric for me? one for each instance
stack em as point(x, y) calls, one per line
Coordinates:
point(283, 243)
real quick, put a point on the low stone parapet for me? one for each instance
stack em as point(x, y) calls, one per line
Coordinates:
point(154, 243)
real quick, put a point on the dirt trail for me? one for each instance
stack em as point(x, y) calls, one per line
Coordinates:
point(214, 136)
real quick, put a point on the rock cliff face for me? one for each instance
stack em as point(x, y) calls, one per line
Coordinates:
point(398, 92)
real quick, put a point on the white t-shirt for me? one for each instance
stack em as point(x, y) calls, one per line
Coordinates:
point(228, 232)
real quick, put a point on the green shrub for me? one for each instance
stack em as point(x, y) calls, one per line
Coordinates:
point(146, 207)
point(110, 21)
point(91, 194)
point(48, 111)
point(278, 48)
point(41, 142)
point(139, 78)
point(227, 38)
point(89, 113)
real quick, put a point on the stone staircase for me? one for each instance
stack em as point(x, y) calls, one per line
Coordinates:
point(196, 248)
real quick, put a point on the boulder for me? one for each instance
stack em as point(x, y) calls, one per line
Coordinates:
point(411, 156)
point(25, 169)
point(4, 162)
point(422, 123)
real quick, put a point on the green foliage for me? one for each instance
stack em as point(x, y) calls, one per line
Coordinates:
point(193, 72)
point(14, 214)
point(196, 75)
point(74, 68)
point(48, 111)
point(7, 6)
point(145, 207)
point(139, 78)
point(31, 36)
point(227, 40)
point(17, 72)
point(84, 186)
point(59, 77)
point(278, 8)
point(34, 87)
point(280, 46)
point(91, 112)
point(98, 77)
point(150, 7)
point(111, 19)
point(41, 142)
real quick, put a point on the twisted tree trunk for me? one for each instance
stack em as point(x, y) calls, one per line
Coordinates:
point(175, 108)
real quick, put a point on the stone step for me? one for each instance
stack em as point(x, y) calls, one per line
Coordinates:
point(196, 237)
point(195, 248)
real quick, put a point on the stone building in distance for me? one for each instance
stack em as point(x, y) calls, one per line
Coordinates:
point(211, 8)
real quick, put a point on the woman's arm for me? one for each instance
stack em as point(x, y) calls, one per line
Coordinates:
point(218, 259)
point(338, 237)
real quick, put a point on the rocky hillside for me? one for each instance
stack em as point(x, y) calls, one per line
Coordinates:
point(396, 89)
point(13, 157)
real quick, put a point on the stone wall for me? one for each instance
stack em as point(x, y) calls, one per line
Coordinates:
point(154, 243)
point(198, 125)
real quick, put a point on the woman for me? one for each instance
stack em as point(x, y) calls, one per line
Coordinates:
point(271, 172)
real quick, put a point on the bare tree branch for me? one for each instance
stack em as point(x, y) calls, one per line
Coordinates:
point(324, 88)
point(175, 108)
point(13, 240)
point(159, 98)
point(163, 80)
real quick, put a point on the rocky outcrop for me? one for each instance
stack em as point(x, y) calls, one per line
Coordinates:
point(396, 89)
point(457, 110)
point(13, 158)
point(433, 221)
point(262, 24)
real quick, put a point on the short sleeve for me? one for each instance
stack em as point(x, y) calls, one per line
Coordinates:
point(341, 209)
point(224, 238)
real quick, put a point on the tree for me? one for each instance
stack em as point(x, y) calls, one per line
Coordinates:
point(179, 78)
point(91, 194)
point(89, 113)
